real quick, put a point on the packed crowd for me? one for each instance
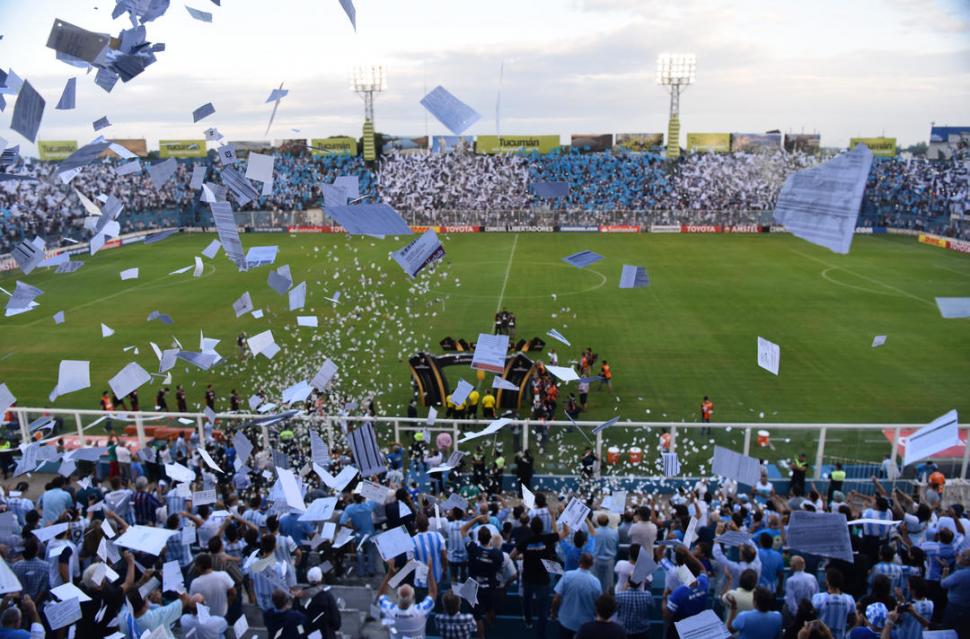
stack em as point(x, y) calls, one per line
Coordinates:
point(920, 194)
point(49, 208)
point(463, 188)
point(176, 537)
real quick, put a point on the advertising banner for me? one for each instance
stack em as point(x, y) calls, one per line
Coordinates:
point(404, 145)
point(492, 144)
point(880, 147)
point(708, 142)
point(342, 145)
point(461, 228)
point(292, 145)
point(639, 142)
point(181, 148)
point(619, 228)
point(592, 142)
point(578, 229)
point(755, 142)
point(803, 142)
point(138, 146)
point(934, 240)
point(245, 147)
point(55, 149)
point(447, 143)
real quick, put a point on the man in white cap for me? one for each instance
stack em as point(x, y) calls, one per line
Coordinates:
point(322, 612)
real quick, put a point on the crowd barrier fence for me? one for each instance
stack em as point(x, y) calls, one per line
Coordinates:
point(83, 422)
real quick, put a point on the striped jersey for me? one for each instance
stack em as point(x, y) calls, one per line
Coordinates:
point(427, 548)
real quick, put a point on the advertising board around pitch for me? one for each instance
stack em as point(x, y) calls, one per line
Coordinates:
point(881, 147)
point(492, 144)
point(181, 148)
point(709, 142)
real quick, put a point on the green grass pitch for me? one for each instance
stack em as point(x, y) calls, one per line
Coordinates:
point(691, 333)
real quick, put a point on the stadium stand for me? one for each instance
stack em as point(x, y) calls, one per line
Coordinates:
point(465, 188)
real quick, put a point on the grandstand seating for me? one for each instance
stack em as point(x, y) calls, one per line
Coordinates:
point(461, 188)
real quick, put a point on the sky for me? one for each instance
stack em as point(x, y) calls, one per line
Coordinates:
point(841, 69)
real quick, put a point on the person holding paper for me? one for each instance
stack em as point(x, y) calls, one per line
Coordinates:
point(63, 559)
point(748, 559)
point(146, 618)
point(454, 624)
point(484, 564)
point(686, 600)
point(283, 621)
point(410, 618)
point(541, 511)
point(359, 516)
point(429, 548)
point(213, 627)
point(581, 542)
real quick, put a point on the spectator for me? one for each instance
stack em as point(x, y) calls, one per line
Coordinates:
point(535, 579)
point(141, 617)
point(741, 599)
point(957, 587)
point(55, 502)
point(634, 607)
point(216, 587)
point(834, 607)
point(282, 621)
point(759, 623)
point(409, 618)
point(12, 620)
point(322, 611)
point(33, 572)
point(575, 600)
point(799, 587)
point(606, 543)
point(602, 627)
point(454, 624)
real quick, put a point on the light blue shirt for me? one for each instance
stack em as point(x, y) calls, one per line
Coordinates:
point(754, 624)
point(362, 517)
point(160, 616)
point(800, 585)
point(578, 590)
point(605, 543)
point(54, 502)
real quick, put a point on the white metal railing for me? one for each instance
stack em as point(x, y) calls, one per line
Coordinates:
point(401, 425)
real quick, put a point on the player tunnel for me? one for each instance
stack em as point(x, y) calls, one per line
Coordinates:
point(431, 384)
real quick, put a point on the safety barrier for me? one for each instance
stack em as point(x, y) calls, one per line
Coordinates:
point(83, 422)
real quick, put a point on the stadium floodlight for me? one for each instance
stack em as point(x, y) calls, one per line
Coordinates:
point(676, 72)
point(368, 82)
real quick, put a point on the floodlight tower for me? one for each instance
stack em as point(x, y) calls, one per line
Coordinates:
point(367, 83)
point(676, 72)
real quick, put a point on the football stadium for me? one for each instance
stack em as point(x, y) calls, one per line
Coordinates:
point(282, 358)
